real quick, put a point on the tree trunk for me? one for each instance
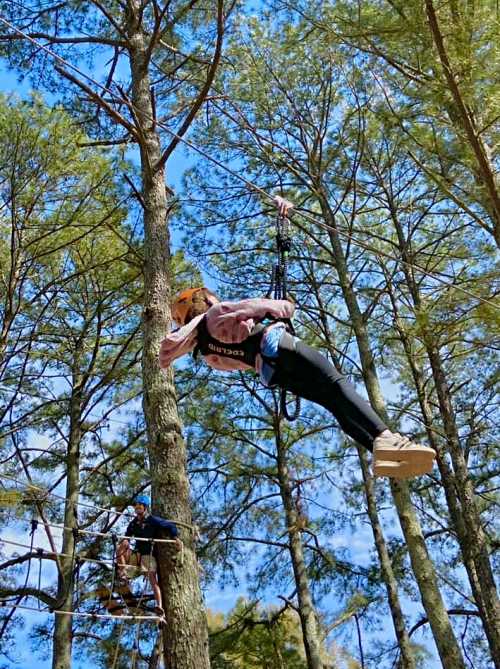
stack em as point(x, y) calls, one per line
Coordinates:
point(391, 585)
point(63, 627)
point(465, 516)
point(464, 121)
point(474, 540)
point(185, 636)
point(423, 568)
point(446, 642)
point(308, 620)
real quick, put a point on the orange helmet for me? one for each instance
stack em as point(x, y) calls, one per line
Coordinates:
point(182, 304)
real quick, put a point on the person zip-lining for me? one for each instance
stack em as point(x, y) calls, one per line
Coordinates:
point(142, 560)
point(231, 336)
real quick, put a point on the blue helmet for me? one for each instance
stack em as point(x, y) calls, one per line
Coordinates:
point(142, 499)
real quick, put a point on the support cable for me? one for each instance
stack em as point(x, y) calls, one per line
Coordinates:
point(44, 552)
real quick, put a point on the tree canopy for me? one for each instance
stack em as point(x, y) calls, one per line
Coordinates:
point(379, 122)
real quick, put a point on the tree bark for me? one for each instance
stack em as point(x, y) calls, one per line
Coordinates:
point(185, 636)
point(446, 642)
point(447, 476)
point(307, 614)
point(465, 516)
point(63, 627)
point(474, 541)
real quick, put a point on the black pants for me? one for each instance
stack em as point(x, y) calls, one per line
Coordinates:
point(305, 372)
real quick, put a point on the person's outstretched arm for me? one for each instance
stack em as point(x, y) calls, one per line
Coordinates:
point(171, 529)
point(256, 308)
point(178, 342)
point(167, 525)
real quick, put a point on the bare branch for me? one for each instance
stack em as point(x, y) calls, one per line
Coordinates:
point(29, 592)
point(95, 97)
point(204, 91)
point(8, 37)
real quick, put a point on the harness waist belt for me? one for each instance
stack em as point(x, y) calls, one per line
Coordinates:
point(245, 351)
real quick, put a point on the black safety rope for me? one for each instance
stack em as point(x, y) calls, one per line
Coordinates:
point(39, 552)
point(278, 288)
point(279, 291)
point(34, 526)
point(114, 558)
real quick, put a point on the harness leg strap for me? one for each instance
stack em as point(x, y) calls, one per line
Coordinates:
point(288, 342)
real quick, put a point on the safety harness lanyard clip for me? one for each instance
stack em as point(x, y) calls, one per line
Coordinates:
point(279, 283)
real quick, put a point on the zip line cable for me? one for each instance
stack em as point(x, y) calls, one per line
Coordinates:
point(240, 177)
point(32, 486)
point(43, 552)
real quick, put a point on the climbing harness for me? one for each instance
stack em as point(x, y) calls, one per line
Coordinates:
point(245, 351)
point(279, 287)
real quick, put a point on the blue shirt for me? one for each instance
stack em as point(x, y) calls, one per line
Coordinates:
point(269, 347)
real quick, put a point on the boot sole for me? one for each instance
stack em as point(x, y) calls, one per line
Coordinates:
point(401, 470)
point(420, 455)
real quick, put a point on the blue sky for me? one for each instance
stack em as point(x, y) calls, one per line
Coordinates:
point(215, 598)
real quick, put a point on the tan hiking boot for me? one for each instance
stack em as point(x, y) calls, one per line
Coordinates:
point(394, 447)
point(401, 470)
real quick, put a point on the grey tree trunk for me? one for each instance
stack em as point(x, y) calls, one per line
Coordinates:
point(63, 627)
point(185, 636)
point(465, 515)
point(446, 642)
point(307, 614)
point(474, 542)
point(391, 585)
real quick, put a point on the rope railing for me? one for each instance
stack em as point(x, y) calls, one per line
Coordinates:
point(81, 614)
point(108, 534)
point(44, 551)
point(27, 486)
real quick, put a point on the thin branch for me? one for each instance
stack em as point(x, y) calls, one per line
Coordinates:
point(116, 116)
point(204, 91)
point(451, 612)
point(29, 592)
point(7, 37)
